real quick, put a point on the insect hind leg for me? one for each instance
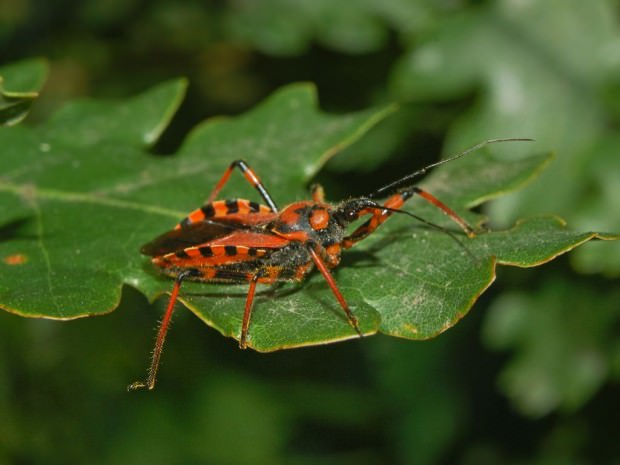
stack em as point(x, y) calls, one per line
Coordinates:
point(250, 176)
point(161, 335)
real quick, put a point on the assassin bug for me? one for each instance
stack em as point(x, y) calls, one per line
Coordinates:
point(239, 241)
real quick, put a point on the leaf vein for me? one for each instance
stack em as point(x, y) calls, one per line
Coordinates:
point(29, 192)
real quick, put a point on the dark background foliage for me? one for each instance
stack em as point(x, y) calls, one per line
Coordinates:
point(531, 376)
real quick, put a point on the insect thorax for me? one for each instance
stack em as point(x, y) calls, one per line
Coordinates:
point(309, 223)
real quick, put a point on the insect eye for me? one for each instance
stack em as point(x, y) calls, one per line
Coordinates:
point(346, 214)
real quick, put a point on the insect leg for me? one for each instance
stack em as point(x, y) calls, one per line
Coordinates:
point(245, 326)
point(447, 210)
point(332, 284)
point(378, 217)
point(251, 177)
point(395, 202)
point(161, 336)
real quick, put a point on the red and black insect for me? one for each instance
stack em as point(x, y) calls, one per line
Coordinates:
point(239, 241)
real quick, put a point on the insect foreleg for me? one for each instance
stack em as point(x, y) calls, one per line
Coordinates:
point(443, 207)
point(378, 217)
point(395, 202)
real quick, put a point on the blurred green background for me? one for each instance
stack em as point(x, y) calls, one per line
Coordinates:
point(531, 376)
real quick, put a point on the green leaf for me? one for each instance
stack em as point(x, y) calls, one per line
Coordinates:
point(19, 87)
point(84, 195)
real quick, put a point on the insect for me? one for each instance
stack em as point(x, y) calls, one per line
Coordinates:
point(241, 241)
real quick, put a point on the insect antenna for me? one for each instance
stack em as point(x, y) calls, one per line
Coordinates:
point(399, 182)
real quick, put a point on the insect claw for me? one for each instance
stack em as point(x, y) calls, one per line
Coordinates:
point(355, 324)
point(138, 385)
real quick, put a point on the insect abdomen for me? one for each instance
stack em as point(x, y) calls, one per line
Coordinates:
point(238, 264)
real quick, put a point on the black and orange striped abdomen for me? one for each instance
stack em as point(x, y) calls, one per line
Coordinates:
point(238, 264)
point(239, 211)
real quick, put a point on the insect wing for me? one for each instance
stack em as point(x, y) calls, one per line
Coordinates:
point(230, 258)
point(188, 236)
point(234, 258)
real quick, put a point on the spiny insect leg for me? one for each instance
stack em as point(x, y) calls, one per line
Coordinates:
point(161, 336)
